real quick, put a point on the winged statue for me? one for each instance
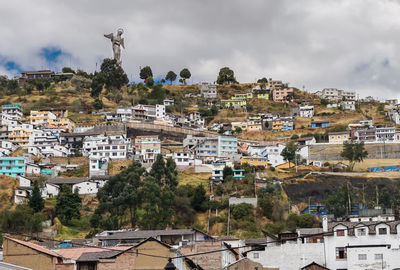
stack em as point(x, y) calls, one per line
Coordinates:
point(117, 41)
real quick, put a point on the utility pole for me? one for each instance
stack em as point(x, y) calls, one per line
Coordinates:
point(229, 217)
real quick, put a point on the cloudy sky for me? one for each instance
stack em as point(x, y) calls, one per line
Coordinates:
point(346, 44)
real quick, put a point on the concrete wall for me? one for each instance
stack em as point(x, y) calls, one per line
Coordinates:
point(289, 256)
point(252, 201)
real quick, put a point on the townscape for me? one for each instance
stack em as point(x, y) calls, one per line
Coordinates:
point(99, 171)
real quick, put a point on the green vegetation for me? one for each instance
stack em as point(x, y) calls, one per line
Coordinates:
point(289, 152)
point(226, 76)
point(68, 205)
point(171, 76)
point(353, 152)
point(145, 73)
point(185, 74)
point(35, 201)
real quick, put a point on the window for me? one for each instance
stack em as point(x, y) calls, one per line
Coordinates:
point(362, 257)
point(378, 256)
point(256, 255)
point(361, 232)
point(341, 253)
point(340, 233)
point(115, 147)
point(382, 230)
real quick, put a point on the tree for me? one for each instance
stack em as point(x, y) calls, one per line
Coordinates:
point(68, 205)
point(67, 70)
point(262, 80)
point(185, 74)
point(150, 81)
point(266, 124)
point(146, 73)
point(227, 172)
point(36, 201)
point(340, 201)
point(121, 194)
point(171, 76)
point(198, 199)
point(114, 77)
point(238, 130)
point(97, 84)
point(226, 75)
point(353, 152)
point(289, 152)
point(97, 104)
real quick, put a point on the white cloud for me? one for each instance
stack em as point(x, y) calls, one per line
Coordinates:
point(336, 43)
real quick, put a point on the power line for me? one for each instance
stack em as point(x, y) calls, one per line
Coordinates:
point(328, 233)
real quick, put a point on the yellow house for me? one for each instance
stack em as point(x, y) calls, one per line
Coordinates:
point(255, 161)
point(65, 123)
point(41, 117)
point(20, 135)
point(242, 125)
point(263, 96)
point(234, 103)
point(254, 125)
point(277, 125)
point(338, 137)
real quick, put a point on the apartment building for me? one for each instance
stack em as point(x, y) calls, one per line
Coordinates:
point(336, 94)
point(147, 148)
point(46, 143)
point(365, 134)
point(306, 110)
point(12, 111)
point(41, 117)
point(12, 166)
point(283, 95)
point(282, 123)
point(385, 133)
point(227, 146)
point(149, 112)
point(208, 91)
point(112, 147)
point(348, 105)
point(20, 135)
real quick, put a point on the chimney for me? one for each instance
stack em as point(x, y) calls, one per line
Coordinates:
point(324, 223)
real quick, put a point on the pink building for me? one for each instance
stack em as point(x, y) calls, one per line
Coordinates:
point(281, 95)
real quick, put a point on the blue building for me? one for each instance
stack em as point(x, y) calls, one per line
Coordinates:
point(12, 166)
point(320, 124)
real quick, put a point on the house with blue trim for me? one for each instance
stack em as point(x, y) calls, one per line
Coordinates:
point(320, 124)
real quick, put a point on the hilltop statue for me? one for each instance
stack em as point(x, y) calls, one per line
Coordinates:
point(116, 42)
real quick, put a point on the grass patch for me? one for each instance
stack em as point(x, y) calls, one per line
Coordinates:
point(188, 177)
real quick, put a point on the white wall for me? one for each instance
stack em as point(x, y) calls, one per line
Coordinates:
point(289, 256)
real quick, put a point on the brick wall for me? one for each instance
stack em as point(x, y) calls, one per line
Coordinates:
point(211, 261)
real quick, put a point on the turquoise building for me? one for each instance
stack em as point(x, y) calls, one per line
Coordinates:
point(227, 146)
point(12, 166)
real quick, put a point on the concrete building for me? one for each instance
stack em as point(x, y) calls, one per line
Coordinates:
point(338, 137)
point(112, 147)
point(12, 166)
point(208, 91)
point(147, 148)
point(362, 244)
point(38, 118)
point(365, 134)
point(348, 105)
point(384, 134)
point(273, 153)
point(283, 95)
point(336, 94)
point(306, 110)
point(227, 146)
point(37, 74)
point(20, 135)
point(12, 111)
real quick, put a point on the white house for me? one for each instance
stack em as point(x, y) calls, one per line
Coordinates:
point(362, 244)
point(107, 146)
point(273, 153)
point(306, 110)
point(348, 105)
